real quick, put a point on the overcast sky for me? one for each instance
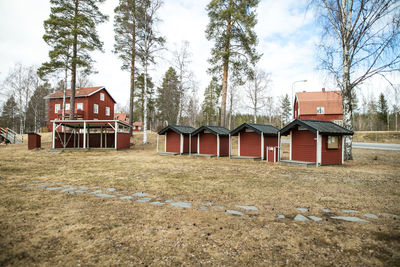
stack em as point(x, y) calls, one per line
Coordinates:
point(287, 39)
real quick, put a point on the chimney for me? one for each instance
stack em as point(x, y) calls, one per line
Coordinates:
point(323, 90)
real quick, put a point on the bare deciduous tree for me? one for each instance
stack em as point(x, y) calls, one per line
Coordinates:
point(256, 91)
point(361, 39)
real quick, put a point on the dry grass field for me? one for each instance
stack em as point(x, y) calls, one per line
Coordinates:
point(40, 227)
point(391, 137)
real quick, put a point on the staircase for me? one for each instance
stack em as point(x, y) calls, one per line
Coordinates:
point(11, 136)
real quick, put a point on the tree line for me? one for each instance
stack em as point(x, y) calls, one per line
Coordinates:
point(359, 40)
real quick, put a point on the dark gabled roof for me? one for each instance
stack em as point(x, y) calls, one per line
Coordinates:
point(259, 128)
point(323, 127)
point(213, 129)
point(178, 129)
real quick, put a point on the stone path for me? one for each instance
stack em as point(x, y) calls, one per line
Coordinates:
point(240, 210)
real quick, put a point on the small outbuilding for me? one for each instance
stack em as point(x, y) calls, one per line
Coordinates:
point(259, 141)
point(212, 141)
point(178, 139)
point(320, 142)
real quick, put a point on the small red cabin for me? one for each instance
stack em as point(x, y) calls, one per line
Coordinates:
point(324, 106)
point(212, 140)
point(91, 103)
point(321, 142)
point(138, 126)
point(178, 139)
point(256, 140)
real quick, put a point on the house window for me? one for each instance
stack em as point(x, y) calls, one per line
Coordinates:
point(79, 106)
point(67, 106)
point(333, 142)
point(107, 111)
point(320, 110)
point(96, 109)
point(57, 108)
point(102, 96)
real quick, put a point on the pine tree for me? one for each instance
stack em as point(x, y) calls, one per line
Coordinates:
point(9, 114)
point(168, 97)
point(139, 95)
point(231, 27)
point(36, 112)
point(71, 32)
point(286, 109)
point(125, 28)
point(210, 103)
point(382, 109)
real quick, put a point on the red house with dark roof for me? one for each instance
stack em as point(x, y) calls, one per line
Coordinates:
point(324, 106)
point(91, 103)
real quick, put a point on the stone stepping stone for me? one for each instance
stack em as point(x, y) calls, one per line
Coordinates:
point(141, 194)
point(43, 185)
point(59, 183)
point(247, 207)
point(84, 188)
point(349, 219)
point(104, 195)
point(80, 191)
point(54, 188)
point(326, 210)
point(281, 216)
point(302, 209)
point(145, 199)
point(111, 189)
point(371, 216)
point(315, 218)
point(300, 218)
point(96, 186)
point(349, 211)
point(96, 192)
point(126, 197)
point(218, 207)
point(169, 201)
point(21, 183)
point(119, 194)
point(184, 205)
point(36, 181)
point(234, 212)
point(391, 214)
point(203, 208)
point(159, 198)
point(157, 203)
point(70, 189)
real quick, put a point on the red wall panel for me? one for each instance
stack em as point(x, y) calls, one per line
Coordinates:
point(123, 141)
point(223, 146)
point(173, 142)
point(304, 147)
point(208, 143)
point(250, 144)
point(331, 156)
point(194, 144)
point(93, 140)
point(322, 117)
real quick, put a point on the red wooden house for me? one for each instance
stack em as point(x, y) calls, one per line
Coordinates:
point(91, 103)
point(137, 126)
point(321, 142)
point(122, 116)
point(212, 140)
point(324, 106)
point(178, 139)
point(257, 141)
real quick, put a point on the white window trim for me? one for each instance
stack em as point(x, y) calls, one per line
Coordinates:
point(320, 110)
point(67, 106)
point(109, 111)
point(57, 108)
point(96, 109)
point(102, 97)
point(79, 104)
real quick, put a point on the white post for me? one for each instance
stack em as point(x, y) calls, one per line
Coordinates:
point(262, 146)
point(54, 134)
point(239, 144)
point(181, 146)
point(157, 142)
point(318, 150)
point(230, 146)
point(116, 134)
point(88, 137)
point(84, 134)
point(198, 143)
point(190, 144)
point(267, 153)
point(79, 138)
point(105, 137)
point(218, 145)
point(342, 149)
point(291, 146)
point(279, 146)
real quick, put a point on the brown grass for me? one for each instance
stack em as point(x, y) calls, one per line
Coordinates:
point(48, 228)
point(391, 137)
